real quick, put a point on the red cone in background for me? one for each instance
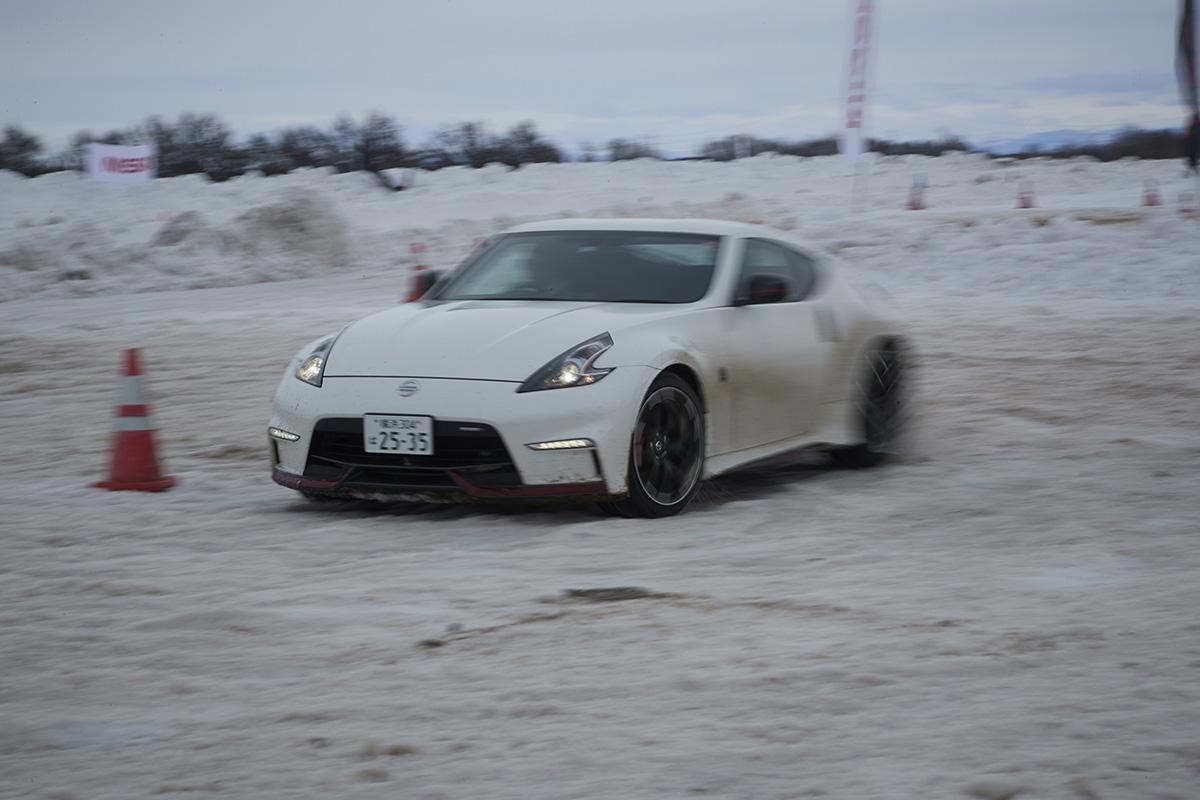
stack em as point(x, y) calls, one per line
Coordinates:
point(417, 286)
point(916, 195)
point(1025, 196)
point(419, 283)
point(1151, 196)
point(134, 464)
point(1187, 206)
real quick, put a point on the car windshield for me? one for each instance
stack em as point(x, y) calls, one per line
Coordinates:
point(594, 266)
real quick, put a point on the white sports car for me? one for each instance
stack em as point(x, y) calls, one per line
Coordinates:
point(618, 361)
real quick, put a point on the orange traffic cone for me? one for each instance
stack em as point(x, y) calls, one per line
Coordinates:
point(1187, 206)
point(134, 463)
point(916, 195)
point(1151, 197)
point(1025, 196)
point(418, 284)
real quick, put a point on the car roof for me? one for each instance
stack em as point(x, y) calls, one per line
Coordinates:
point(709, 227)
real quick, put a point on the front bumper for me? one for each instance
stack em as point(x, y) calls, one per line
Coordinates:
point(349, 485)
point(327, 458)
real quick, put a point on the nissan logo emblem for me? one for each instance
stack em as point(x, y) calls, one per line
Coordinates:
point(408, 388)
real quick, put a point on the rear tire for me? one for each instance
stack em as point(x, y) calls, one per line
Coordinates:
point(666, 452)
point(880, 387)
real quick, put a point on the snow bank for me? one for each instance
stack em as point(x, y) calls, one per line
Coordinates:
point(299, 234)
point(62, 236)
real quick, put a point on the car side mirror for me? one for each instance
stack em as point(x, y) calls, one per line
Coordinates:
point(422, 282)
point(762, 288)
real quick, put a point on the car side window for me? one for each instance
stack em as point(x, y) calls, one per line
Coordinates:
point(804, 272)
point(764, 256)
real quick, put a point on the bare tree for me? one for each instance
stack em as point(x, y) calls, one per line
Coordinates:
point(467, 143)
point(303, 147)
point(629, 149)
point(524, 145)
point(19, 151)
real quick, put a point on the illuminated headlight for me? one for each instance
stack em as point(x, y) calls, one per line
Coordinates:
point(312, 367)
point(310, 371)
point(282, 435)
point(563, 444)
point(575, 367)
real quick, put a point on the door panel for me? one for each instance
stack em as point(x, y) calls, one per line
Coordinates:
point(776, 353)
point(774, 368)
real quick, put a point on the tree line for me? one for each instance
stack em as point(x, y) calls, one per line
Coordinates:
point(1128, 143)
point(203, 143)
point(731, 147)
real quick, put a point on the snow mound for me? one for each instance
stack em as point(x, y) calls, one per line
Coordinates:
point(298, 235)
point(61, 235)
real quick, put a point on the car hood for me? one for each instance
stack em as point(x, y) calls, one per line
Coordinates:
point(482, 340)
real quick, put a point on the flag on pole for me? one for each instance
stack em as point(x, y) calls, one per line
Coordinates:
point(853, 142)
point(1185, 59)
point(1188, 65)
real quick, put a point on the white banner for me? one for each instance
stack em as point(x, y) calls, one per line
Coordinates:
point(113, 163)
point(853, 141)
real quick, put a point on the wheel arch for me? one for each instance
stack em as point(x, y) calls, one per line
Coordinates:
point(895, 342)
point(691, 378)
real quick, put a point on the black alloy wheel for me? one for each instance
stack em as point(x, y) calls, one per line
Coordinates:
point(666, 454)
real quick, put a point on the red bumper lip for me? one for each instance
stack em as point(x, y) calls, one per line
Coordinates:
point(465, 486)
point(301, 483)
point(547, 490)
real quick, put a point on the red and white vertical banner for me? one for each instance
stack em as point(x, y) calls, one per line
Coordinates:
point(853, 139)
point(111, 163)
point(1187, 61)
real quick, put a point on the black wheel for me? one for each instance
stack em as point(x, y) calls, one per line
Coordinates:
point(880, 404)
point(666, 453)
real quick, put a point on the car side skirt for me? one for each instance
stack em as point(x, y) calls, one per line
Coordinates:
point(835, 430)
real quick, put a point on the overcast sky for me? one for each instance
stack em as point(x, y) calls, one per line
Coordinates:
point(674, 71)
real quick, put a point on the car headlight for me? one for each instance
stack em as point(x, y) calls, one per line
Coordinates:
point(575, 367)
point(312, 367)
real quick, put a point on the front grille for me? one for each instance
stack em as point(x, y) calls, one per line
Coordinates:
point(472, 449)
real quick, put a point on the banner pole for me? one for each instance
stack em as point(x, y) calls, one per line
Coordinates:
point(1196, 193)
point(859, 193)
point(855, 88)
point(1195, 101)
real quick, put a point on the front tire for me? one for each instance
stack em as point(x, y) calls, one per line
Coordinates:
point(666, 451)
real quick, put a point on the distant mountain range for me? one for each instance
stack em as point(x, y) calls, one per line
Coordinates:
point(1047, 140)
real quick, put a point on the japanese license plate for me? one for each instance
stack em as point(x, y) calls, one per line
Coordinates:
point(409, 436)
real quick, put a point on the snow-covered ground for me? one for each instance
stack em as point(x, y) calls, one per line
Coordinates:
point(1011, 610)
